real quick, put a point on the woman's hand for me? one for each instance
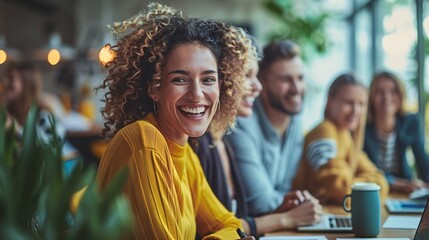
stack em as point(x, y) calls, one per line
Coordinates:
point(406, 186)
point(295, 198)
point(306, 213)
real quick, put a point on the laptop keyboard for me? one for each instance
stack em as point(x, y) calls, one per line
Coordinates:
point(340, 222)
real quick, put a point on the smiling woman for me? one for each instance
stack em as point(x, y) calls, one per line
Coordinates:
point(172, 78)
point(390, 131)
point(191, 85)
point(333, 159)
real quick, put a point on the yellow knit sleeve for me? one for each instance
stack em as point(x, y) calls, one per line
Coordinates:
point(150, 186)
point(336, 180)
point(330, 165)
point(213, 219)
point(366, 171)
point(327, 153)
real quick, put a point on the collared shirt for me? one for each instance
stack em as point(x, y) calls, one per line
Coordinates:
point(409, 134)
point(267, 161)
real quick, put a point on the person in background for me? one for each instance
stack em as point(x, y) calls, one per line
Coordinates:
point(172, 77)
point(22, 89)
point(221, 170)
point(390, 131)
point(267, 144)
point(73, 107)
point(333, 158)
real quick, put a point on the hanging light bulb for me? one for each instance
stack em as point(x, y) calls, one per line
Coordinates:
point(54, 56)
point(106, 55)
point(3, 56)
point(7, 52)
point(54, 51)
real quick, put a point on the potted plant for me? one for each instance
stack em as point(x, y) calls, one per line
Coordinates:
point(35, 193)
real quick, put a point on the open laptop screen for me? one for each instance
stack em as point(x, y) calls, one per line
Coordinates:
point(422, 232)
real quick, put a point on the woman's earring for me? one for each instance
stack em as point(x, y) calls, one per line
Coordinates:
point(218, 106)
point(154, 108)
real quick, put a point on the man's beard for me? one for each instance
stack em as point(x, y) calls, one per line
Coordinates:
point(276, 104)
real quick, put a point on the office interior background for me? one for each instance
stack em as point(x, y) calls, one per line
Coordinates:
point(337, 36)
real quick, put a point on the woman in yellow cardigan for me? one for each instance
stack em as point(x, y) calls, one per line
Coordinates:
point(333, 158)
point(171, 76)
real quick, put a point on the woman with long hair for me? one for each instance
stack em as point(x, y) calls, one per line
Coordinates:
point(333, 158)
point(171, 78)
point(390, 131)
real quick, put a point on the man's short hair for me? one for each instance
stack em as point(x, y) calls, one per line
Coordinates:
point(283, 49)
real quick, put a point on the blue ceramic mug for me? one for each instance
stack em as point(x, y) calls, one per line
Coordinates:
point(365, 209)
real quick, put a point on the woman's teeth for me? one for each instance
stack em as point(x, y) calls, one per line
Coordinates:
point(197, 110)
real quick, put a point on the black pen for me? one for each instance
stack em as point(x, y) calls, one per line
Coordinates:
point(240, 233)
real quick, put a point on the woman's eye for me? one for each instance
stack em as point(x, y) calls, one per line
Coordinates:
point(178, 80)
point(209, 80)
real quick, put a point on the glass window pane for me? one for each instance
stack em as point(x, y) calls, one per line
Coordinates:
point(363, 46)
point(398, 43)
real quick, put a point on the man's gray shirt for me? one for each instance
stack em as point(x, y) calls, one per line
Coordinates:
point(267, 161)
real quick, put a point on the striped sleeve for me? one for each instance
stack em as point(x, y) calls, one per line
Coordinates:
point(320, 151)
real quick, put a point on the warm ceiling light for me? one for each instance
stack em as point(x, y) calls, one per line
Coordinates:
point(54, 50)
point(106, 54)
point(3, 56)
point(54, 56)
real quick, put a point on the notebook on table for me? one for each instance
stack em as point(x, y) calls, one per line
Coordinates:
point(405, 205)
point(330, 223)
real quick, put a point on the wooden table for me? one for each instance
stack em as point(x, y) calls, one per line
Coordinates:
point(334, 209)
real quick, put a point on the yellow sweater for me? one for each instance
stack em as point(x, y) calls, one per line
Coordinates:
point(330, 164)
point(167, 188)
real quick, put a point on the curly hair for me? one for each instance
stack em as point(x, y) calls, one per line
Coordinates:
point(140, 56)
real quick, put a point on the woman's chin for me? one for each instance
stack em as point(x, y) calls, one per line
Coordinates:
point(196, 132)
point(244, 111)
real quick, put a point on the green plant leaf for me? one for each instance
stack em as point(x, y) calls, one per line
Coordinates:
point(35, 193)
point(307, 30)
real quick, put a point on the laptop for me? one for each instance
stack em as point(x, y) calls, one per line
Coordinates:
point(422, 232)
point(405, 205)
point(330, 223)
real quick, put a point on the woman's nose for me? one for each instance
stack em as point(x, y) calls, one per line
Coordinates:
point(196, 92)
point(256, 85)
